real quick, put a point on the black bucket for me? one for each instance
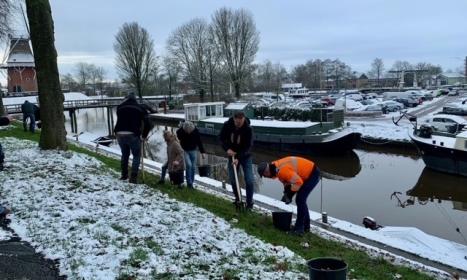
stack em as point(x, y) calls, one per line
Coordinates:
point(176, 177)
point(327, 269)
point(282, 220)
point(204, 170)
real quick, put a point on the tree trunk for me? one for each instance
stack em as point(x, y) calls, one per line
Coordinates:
point(201, 94)
point(237, 90)
point(2, 110)
point(53, 134)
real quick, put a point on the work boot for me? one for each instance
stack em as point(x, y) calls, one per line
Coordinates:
point(123, 177)
point(134, 178)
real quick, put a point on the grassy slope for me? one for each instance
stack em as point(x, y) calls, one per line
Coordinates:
point(361, 266)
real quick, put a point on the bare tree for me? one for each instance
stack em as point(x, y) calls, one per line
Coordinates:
point(377, 69)
point(136, 58)
point(5, 13)
point(68, 82)
point(97, 77)
point(83, 74)
point(5, 28)
point(172, 69)
point(189, 45)
point(45, 57)
point(237, 39)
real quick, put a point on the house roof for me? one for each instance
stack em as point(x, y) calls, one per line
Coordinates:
point(452, 75)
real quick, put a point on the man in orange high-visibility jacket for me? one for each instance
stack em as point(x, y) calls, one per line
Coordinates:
point(299, 176)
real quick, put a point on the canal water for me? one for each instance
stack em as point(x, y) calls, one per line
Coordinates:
point(391, 186)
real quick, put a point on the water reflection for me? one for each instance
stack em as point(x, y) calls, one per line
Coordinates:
point(433, 186)
point(340, 167)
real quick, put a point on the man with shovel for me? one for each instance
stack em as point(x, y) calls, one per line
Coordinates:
point(299, 176)
point(237, 139)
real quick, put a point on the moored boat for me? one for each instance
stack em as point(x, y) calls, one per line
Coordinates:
point(443, 152)
point(325, 137)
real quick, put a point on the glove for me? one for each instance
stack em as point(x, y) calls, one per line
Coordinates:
point(288, 194)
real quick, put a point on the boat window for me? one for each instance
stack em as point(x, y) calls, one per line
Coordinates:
point(210, 110)
point(437, 120)
point(449, 121)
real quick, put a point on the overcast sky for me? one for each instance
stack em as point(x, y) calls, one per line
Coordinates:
point(291, 32)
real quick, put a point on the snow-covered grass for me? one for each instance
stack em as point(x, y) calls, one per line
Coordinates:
point(5, 235)
point(73, 208)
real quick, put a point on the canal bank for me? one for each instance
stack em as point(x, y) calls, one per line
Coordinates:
point(376, 243)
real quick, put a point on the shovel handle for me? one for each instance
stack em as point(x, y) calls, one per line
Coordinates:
point(236, 179)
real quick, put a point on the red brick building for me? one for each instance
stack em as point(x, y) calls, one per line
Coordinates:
point(20, 67)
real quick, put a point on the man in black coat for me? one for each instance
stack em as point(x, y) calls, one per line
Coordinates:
point(28, 113)
point(132, 127)
point(237, 140)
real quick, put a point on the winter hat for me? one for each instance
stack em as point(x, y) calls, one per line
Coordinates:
point(188, 127)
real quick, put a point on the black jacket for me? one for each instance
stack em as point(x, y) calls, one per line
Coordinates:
point(4, 121)
point(190, 141)
point(132, 117)
point(239, 140)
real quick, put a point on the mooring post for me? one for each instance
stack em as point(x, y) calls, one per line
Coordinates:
point(108, 121)
point(111, 121)
point(71, 121)
point(76, 121)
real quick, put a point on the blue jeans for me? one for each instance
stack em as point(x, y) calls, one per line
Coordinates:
point(32, 124)
point(247, 166)
point(303, 216)
point(190, 165)
point(129, 143)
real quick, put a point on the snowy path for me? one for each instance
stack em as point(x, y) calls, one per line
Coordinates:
point(71, 207)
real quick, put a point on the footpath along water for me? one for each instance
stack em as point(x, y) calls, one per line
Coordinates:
point(392, 187)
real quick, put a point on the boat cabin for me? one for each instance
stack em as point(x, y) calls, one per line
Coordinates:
point(198, 111)
point(461, 141)
point(234, 107)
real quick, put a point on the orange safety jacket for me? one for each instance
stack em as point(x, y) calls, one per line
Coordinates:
point(293, 171)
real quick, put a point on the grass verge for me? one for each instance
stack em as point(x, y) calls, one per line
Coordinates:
point(361, 266)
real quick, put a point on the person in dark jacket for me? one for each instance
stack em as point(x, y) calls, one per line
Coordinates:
point(28, 113)
point(189, 138)
point(5, 120)
point(132, 127)
point(237, 139)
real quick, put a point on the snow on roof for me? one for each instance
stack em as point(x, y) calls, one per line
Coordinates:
point(20, 57)
point(203, 104)
point(292, 85)
point(69, 96)
point(236, 106)
point(452, 75)
point(261, 123)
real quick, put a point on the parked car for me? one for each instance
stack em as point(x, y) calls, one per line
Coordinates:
point(408, 102)
point(328, 101)
point(374, 108)
point(456, 108)
point(392, 106)
point(446, 123)
point(454, 93)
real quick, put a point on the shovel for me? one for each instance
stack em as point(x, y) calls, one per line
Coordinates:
point(143, 142)
point(240, 205)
